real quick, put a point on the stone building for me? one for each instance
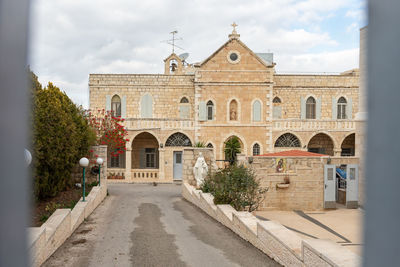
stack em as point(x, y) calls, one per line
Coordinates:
point(233, 92)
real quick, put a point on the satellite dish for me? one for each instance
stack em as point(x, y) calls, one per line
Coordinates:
point(184, 56)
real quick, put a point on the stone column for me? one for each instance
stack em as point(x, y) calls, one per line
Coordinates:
point(161, 163)
point(128, 164)
point(337, 152)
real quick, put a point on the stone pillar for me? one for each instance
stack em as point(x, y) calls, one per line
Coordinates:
point(101, 151)
point(337, 152)
point(128, 163)
point(161, 163)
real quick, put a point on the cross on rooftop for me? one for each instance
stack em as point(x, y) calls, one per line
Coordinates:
point(234, 25)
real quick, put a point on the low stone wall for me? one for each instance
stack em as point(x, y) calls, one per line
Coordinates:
point(272, 238)
point(45, 240)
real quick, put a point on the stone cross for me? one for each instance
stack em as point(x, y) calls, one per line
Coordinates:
point(234, 25)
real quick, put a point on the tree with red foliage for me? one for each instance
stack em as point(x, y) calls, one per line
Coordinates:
point(109, 130)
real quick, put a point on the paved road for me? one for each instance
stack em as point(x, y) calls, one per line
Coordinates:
point(146, 225)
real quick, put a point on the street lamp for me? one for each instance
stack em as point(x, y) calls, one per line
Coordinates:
point(28, 157)
point(84, 162)
point(99, 161)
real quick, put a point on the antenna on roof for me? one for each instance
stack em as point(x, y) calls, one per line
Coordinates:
point(172, 41)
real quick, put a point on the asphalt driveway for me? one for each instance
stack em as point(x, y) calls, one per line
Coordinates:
point(146, 225)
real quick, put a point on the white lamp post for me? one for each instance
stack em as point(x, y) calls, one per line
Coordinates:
point(84, 162)
point(99, 161)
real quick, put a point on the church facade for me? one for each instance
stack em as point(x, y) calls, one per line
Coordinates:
point(234, 92)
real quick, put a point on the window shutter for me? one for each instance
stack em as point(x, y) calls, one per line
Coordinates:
point(318, 109)
point(108, 103)
point(146, 106)
point(123, 107)
point(303, 108)
point(277, 112)
point(142, 158)
point(202, 111)
point(349, 111)
point(334, 108)
point(184, 111)
point(256, 111)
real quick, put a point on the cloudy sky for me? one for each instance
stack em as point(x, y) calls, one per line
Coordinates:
point(72, 38)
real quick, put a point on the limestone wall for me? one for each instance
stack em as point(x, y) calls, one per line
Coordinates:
point(272, 238)
point(305, 187)
point(190, 156)
point(166, 91)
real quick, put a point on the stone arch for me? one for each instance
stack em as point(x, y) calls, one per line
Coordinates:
point(145, 154)
point(287, 140)
point(178, 139)
point(321, 143)
point(116, 106)
point(242, 146)
point(261, 147)
point(229, 105)
point(349, 145)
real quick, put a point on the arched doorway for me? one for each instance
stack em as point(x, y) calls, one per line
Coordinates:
point(145, 153)
point(174, 144)
point(349, 146)
point(322, 144)
point(232, 146)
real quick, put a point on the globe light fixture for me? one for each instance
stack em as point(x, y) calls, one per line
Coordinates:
point(84, 162)
point(99, 161)
point(28, 157)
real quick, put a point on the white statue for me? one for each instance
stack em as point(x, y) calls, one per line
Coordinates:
point(200, 169)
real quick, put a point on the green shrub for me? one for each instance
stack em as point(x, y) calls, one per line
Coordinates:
point(61, 136)
point(237, 186)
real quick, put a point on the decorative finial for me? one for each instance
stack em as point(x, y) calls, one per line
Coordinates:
point(234, 34)
point(234, 25)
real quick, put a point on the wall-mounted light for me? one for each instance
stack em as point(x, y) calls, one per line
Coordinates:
point(161, 145)
point(250, 160)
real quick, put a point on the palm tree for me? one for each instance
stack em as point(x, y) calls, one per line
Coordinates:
point(232, 148)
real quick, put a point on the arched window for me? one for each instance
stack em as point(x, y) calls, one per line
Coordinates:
point(276, 100)
point(210, 110)
point(116, 106)
point(233, 111)
point(178, 139)
point(146, 106)
point(310, 108)
point(256, 111)
point(276, 108)
point(184, 108)
point(184, 100)
point(210, 145)
point(256, 149)
point(287, 140)
point(341, 108)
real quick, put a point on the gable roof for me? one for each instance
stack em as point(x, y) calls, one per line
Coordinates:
point(293, 153)
point(263, 62)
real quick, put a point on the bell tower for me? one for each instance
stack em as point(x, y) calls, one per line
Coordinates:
point(173, 64)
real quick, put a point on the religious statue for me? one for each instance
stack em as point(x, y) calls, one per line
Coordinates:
point(200, 170)
point(232, 116)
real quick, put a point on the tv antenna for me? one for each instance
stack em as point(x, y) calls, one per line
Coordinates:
point(172, 41)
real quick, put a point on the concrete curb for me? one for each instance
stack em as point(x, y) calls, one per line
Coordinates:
point(45, 240)
point(272, 238)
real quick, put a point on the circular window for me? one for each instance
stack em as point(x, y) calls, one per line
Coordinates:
point(233, 57)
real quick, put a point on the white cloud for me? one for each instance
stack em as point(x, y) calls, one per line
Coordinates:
point(71, 39)
point(329, 62)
